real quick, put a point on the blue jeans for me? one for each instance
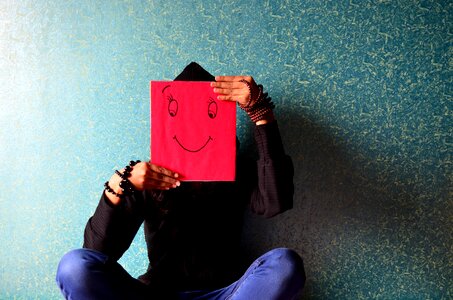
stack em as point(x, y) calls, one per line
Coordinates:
point(88, 274)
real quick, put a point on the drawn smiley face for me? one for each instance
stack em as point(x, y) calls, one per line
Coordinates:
point(173, 109)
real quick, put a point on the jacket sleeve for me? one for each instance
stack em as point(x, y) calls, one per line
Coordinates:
point(272, 190)
point(112, 228)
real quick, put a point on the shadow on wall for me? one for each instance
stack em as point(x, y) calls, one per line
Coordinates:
point(359, 225)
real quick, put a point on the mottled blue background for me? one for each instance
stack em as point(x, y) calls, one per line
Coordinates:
point(364, 101)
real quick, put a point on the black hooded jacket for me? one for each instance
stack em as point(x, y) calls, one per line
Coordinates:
point(193, 231)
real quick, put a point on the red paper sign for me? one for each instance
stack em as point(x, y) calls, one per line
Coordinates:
point(193, 133)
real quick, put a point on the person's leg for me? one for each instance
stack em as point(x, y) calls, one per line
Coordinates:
point(276, 275)
point(89, 274)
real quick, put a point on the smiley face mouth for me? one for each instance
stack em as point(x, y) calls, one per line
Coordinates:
point(189, 150)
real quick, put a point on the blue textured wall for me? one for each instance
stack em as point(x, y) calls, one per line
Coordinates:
point(364, 101)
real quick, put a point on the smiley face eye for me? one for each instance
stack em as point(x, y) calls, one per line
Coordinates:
point(172, 106)
point(212, 109)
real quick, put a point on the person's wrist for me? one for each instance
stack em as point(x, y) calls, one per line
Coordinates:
point(268, 118)
point(259, 110)
point(119, 185)
point(114, 184)
point(126, 186)
point(256, 92)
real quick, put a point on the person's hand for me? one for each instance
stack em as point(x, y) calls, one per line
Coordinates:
point(145, 176)
point(148, 176)
point(233, 88)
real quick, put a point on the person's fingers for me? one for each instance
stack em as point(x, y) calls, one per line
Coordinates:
point(223, 91)
point(227, 84)
point(158, 177)
point(232, 88)
point(149, 176)
point(228, 78)
point(162, 170)
point(160, 185)
point(233, 92)
point(239, 98)
point(154, 176)
point(233, 78)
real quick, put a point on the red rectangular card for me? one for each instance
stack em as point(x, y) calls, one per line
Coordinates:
point(193, 133)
